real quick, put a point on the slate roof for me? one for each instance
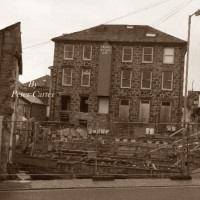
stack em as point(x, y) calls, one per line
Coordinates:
point(43, 81)
point(120, 33)
point(33, 99)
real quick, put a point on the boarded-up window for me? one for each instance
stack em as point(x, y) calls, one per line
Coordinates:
point(168, 56)
point(69, 52)
point(126, 78)
point(87, 52)
point(85, 77)
point(124, 109)
point(165, 112)
point(103, 105)
point(167, 79)
point(67, 77)
point(127, 54)
point(147, 56)
point(84, 104)
point(144, 111)
point(65, 102)
point(146, 80)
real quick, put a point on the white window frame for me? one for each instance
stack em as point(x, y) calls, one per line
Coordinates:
point(68, 58)
point(150, 80)
point(170, 80)
point(63, 76)
point(84, 52)
point(168, 55)
point(147, 54)
point(124, 78)
point(86, 74)
point(128, 47)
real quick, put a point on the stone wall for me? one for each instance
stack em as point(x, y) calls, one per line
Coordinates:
point(134, 94)
point(10, 67)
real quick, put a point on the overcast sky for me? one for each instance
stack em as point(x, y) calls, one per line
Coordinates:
point(41, 20)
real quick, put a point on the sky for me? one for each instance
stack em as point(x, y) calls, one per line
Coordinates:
point(42, 20)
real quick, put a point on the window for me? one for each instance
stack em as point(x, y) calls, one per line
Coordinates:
point(167, 79)
point(69, 52)
point(87, 52)
point(127, 54)
point(144, 111)
point(65, 102)
point(165, 112)
point(85, 77)
point(67, 77)
point(104, 105)
point(84, 104)
point(168, 56)
point(124, 106)
point(146, 80)
point(147, 56)
point(126, 78)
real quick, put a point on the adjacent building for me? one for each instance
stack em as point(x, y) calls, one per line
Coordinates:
point(10, 69)
point(128, 73)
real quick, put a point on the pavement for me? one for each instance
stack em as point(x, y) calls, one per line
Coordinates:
point(89, 183)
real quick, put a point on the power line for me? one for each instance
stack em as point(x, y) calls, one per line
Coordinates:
point(137, 11)
point(36, 45)
point(175, 11)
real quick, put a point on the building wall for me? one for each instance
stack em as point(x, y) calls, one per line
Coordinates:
point(135, 94)
point(10, 67)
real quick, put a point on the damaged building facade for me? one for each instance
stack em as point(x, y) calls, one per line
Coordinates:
point(114, 73)
point(10, 69)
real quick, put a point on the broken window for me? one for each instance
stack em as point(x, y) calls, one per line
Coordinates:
point(146, 80)
point(85, 77)
point(104, 105)
point(126, 78)
point(147, 56)
point(144, 111)
point(84, 104)
point(67, 77)
point(127, 54)
point(65, 102)
point(168, 56)
point(87, 52)
point(165, 112)
point(124, 109)
point(68, 52)
point(167, 79)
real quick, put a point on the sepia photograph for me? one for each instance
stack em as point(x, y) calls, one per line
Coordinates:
point(100, 100)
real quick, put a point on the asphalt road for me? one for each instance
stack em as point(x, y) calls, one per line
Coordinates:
point(135, 193)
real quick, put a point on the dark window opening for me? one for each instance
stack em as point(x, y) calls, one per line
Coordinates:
point(65, 102)
point(84, 104)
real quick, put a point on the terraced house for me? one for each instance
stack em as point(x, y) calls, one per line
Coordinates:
point(128, 73)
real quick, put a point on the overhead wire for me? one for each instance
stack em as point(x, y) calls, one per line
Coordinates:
point(137, 11)
point(172, 13)
point(115, 19)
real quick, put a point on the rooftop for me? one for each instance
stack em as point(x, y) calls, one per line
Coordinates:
point(121, 33)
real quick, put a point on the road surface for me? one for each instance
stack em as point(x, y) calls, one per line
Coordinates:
point(135, 193)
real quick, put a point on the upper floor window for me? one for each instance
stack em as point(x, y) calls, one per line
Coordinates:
point(85, 77)
point(126, 78)
point(167, 80)
point(87, 52)
point(147, 55)
point(67, 77)
point(127, 54)
point(146, 80)
point(168, 56)
point(69, 52)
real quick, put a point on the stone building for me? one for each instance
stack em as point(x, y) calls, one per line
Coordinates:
point(10, 69)
point(123, 73)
